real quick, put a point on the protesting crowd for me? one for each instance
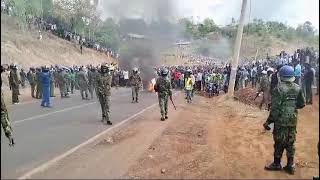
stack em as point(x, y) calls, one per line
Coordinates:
point(262, 74)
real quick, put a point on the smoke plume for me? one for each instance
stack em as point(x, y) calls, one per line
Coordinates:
point(147, 29)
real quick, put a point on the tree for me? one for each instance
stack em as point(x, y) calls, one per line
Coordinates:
point(107, 34)
point(76, 13)
point(306, 29)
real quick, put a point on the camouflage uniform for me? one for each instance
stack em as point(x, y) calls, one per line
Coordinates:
point(103, 90)
point(39, 86)
point(163, 87)
point(32, 81)
point(286, 99)
point(52, 82)
point(14, 84)
point(135, 82)
point(23, 78)
point(83, 84)
point(72, 81)
point(5, 123)
point(91, 81)
point(265, 88)
point(62, 83)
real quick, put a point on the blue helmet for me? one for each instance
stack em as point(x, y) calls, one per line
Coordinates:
point(286, 73)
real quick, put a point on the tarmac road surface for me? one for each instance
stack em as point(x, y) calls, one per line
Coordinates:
point(44, 133)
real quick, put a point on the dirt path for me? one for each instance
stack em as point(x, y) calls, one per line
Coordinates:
point(224, 139)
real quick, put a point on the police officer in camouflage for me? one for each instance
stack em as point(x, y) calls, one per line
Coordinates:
point(163, 88)
point(5, 123)
point(14, 83)
point(38, 84)
point(83, 83)
point(32, 80)
point(62, 81)
point(135, 82)
point(92, 80)
point(103, 82)
point(287, 97)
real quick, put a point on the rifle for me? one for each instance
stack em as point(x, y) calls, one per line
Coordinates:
point(172, 103)
point(257, 95)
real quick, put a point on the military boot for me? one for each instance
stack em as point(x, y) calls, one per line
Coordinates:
point(290, 168)
point(162, 118)
point(132, 100)
point(137, 100)
point(109, 122)
point(275, 166)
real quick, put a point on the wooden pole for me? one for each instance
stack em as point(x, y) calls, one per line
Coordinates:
point(236, 52)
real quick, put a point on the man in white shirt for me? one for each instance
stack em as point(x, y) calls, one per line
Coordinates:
point(126, 77)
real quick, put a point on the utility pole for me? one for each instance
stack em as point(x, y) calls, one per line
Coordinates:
point(236, 51)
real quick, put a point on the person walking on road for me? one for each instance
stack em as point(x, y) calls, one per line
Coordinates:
point(104, 81)
point(135, 82)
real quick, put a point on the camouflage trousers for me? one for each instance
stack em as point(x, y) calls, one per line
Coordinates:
point(33, 87)
point(84, 93)
point(5, 123)
point(105, 105)
point(91, 89)
point(15, 93)
point(163, 103)
point(63, 89)
point(135, 93)
point(39, 91)
point(284, 139)
point(52, 89)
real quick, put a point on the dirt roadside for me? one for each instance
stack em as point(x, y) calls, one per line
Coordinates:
point(211, 138)
point(215, 138)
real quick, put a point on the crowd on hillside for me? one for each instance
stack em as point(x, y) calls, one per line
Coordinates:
point(52, 25)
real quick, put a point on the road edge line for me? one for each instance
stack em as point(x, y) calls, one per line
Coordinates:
point(49, 163)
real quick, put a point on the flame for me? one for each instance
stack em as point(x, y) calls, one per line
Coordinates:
point(151, 85)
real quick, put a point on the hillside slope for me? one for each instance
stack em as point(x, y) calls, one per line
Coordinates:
point(23, 48)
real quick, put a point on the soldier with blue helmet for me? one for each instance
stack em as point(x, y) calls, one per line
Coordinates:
point(287, 97)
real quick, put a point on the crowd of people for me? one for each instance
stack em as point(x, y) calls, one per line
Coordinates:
point(261, 74)
point(52, 25)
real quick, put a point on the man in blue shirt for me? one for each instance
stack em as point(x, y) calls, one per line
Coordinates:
point(297, 72)
point(45, 82)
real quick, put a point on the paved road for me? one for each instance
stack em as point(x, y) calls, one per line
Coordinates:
point(41, 133)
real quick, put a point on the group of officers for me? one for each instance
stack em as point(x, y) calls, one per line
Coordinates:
point(99, 80)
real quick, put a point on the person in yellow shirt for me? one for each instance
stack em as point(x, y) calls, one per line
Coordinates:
point(189, 85)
